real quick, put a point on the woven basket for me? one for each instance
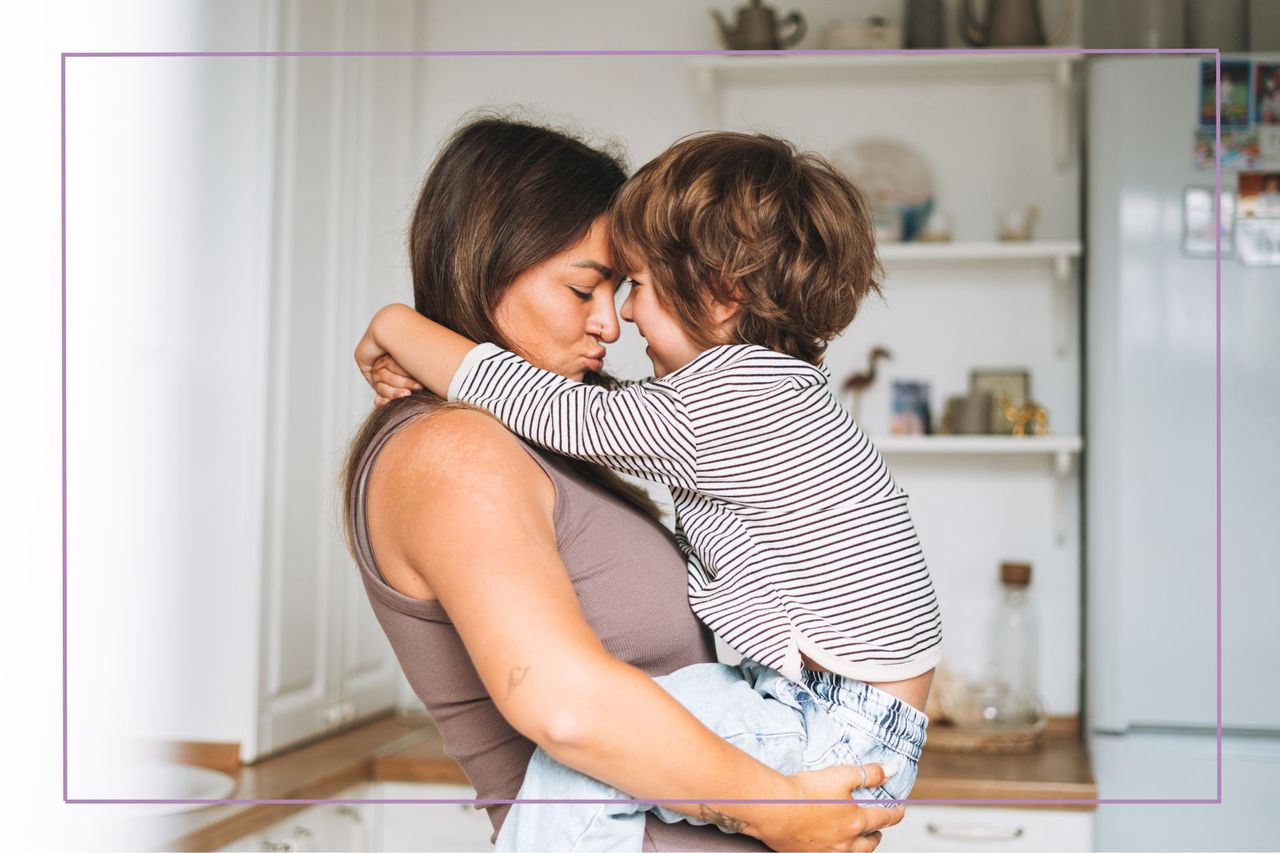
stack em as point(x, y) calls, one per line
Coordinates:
point(949, 738)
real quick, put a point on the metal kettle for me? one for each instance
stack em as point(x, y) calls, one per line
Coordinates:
point(758, 28)
point(1010, 23)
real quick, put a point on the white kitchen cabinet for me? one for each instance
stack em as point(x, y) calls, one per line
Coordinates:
point(960, 828)
point(432, 826)
point(351, 827)
point(326, 661)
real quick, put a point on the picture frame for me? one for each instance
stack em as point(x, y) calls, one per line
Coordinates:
point(1011, 383)
point(910, 408)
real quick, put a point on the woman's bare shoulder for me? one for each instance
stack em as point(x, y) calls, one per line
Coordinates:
point(455, 454)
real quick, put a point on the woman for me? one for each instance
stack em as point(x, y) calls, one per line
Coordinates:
point(527, 597)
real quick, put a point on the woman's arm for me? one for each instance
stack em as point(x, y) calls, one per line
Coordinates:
point(457, 500)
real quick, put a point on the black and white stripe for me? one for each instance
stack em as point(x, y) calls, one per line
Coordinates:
point(796, 534)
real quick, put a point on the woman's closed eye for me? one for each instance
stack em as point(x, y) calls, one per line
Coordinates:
point(584, 294)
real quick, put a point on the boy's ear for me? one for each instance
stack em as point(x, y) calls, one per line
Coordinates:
point(723, 310)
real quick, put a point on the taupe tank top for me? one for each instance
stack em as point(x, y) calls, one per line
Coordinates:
point(630, 582)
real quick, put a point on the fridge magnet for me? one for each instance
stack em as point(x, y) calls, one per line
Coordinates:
point(910, 413)
point(1010, 387)
point(1268, 146)
point(1240, 149)
point(1259, 195)
point(1266, 93)
point(1197, 222)
point(1233, 91)
point(1258, 242)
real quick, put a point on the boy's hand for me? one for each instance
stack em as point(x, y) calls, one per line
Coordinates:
point(420, 350)
point(383, 373)
point(390, 380)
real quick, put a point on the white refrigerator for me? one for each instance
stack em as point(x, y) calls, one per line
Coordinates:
point(1151, 527)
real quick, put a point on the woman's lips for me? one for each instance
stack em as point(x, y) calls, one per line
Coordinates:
point(595, 363)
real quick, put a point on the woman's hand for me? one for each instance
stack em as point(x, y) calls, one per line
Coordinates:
point(390, 381)
point(829, 827)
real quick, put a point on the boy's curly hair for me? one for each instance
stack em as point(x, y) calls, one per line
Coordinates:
point(746, 218)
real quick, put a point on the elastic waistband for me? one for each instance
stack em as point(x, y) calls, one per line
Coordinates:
point(891, 720)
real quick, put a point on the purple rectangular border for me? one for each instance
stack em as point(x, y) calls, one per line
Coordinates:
point(481, 53)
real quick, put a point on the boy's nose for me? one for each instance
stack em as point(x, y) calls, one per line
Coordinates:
point(625, 310)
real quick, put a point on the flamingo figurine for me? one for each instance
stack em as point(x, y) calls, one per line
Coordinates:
point(859, 382)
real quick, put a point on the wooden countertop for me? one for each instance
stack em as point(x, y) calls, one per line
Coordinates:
point(389, 749)
point(1060, 770)
point(314, 771)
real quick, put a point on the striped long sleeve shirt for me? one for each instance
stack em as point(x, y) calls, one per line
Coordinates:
point(797, 537)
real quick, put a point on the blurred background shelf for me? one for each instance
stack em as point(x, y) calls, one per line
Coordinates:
point(1002, 444)
point(1062, 448)
point(713, 73)
point(871, 65)
point(1048, 250)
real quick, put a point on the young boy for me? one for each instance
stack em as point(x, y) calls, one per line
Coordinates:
point(745, 259)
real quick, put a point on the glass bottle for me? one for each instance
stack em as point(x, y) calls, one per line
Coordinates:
point(1009, 695)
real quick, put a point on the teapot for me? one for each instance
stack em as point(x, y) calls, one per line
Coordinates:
point(758, 28)
point(1010, 23)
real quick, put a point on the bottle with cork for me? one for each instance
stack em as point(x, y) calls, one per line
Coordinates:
point(1009, 694)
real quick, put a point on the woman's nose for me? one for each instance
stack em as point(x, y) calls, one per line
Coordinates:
point(606, 321)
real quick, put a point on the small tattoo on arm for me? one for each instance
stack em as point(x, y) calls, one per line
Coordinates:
point(720, 819)
point(517, 675)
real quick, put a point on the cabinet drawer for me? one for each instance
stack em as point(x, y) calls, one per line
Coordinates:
point(959, 828)
point(432, 826)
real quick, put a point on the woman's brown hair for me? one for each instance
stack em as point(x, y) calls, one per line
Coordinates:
point(746, 219)
point(501, 196)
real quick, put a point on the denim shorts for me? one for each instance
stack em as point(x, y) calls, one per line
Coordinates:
point(825, 719)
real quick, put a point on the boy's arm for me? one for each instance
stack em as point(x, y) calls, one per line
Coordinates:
point(429, 351)
point(643, 429)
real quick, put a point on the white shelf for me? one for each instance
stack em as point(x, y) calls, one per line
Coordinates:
point(872, 65)
point(976, 444)
point(712, 73)
point(1061, 448)
point(1059, 253)
point(1042, 250)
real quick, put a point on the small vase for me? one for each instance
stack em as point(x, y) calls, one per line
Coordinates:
point(924, 24)
point(1221, 24)
point(1153, 24)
